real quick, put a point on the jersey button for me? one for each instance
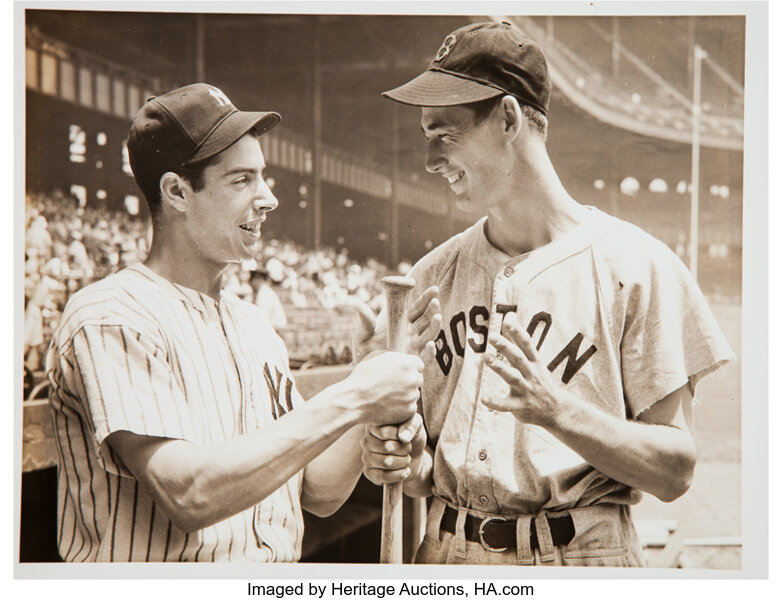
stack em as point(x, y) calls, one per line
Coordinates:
point(508, 271)
point(484, 499)
point(482, 455)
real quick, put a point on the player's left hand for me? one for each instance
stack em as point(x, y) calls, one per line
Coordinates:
point(534, 396)
point(366, 339)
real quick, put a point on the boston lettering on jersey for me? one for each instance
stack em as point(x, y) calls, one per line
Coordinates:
point(276, 384)
point(478, 319)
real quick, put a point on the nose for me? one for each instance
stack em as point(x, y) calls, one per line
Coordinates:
point(434, 156)
point(264, 200)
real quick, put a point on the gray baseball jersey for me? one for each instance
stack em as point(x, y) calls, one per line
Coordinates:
point(136, 352)
point(616, 317)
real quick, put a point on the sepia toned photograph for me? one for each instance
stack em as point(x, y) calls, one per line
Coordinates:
point(360, 289)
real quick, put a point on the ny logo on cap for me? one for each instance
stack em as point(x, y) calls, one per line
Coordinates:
point(446, 47)
point(218, 95)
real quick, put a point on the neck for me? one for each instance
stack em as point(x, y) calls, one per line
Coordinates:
point(536, 211)
point(180, 264)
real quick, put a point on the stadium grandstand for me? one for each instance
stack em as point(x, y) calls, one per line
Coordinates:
point(347, 165)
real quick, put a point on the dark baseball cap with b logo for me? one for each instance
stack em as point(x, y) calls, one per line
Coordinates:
point(187, 125)
point(478, 62)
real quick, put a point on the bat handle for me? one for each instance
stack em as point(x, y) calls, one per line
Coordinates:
point(396, 289)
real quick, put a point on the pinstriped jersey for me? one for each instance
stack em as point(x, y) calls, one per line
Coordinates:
point(614, 315)
point(136, 352)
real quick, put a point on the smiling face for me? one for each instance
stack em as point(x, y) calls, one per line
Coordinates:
point(223, 218)
point(471, 156)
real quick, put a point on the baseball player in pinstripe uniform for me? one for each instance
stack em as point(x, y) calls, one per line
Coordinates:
point(180, 432)
point(570, 344)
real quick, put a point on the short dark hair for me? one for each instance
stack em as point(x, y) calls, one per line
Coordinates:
point(483, 108)
point(193, 173)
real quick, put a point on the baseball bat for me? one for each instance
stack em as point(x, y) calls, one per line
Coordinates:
point(396, 289)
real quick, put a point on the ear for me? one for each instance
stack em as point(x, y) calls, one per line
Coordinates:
point(512, 118)
point(172, 191)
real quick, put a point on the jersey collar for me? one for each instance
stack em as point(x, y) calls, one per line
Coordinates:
point(196, 299)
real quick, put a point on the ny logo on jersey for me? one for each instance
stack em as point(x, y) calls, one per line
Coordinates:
point(218, 95)
point(478, 324)
point(276, 388)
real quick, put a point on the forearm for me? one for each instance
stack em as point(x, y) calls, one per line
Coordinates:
point(200, 485)
point(215, 481)
point(659, 459)
point(330, 478)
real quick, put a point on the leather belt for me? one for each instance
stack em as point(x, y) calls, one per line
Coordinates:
point(499, 533)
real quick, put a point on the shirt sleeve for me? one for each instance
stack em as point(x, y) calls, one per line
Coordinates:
point(124, 383)
point(670, 336)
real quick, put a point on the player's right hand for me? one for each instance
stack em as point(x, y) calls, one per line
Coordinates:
point(393, 453)
point(388, 387)
point(425, 322)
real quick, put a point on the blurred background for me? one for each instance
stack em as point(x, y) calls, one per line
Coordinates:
point(646, 123)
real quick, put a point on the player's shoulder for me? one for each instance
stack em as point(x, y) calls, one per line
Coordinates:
point(433, 264)
point(125, 298)
point(629, 249)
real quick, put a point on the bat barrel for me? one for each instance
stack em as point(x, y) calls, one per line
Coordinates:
point(396, 289)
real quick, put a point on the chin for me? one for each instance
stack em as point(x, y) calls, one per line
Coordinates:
point(466, 205)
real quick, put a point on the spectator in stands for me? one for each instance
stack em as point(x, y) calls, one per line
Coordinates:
point(37, 307)
point(266, 298)
point(175, 402)
point(571, 346)
point(80, 260)
point(38, 237)
point(236, 280)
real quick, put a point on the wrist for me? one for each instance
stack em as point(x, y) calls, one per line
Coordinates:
point(564, 412)
point(346, 400)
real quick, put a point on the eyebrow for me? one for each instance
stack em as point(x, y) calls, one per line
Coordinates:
point(240, 170)
point(435, 125)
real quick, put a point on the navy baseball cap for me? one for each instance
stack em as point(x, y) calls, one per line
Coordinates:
point(186, 125)
point(478, 62)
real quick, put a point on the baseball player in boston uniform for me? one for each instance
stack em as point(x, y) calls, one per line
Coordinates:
point(180, 432)
point(570, 343)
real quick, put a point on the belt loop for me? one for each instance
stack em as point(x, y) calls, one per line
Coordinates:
point(544, 538)
point(459, 541)
point(434, 517)
point(523, 549)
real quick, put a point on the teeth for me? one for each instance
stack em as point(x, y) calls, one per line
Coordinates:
point(454, 178)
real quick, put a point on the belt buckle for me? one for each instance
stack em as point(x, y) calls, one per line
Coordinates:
point(481, 529)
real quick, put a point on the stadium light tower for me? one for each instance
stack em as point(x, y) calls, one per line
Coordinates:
point(699, 55)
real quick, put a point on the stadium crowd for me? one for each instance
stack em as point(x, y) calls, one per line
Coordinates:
point(68, 246)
